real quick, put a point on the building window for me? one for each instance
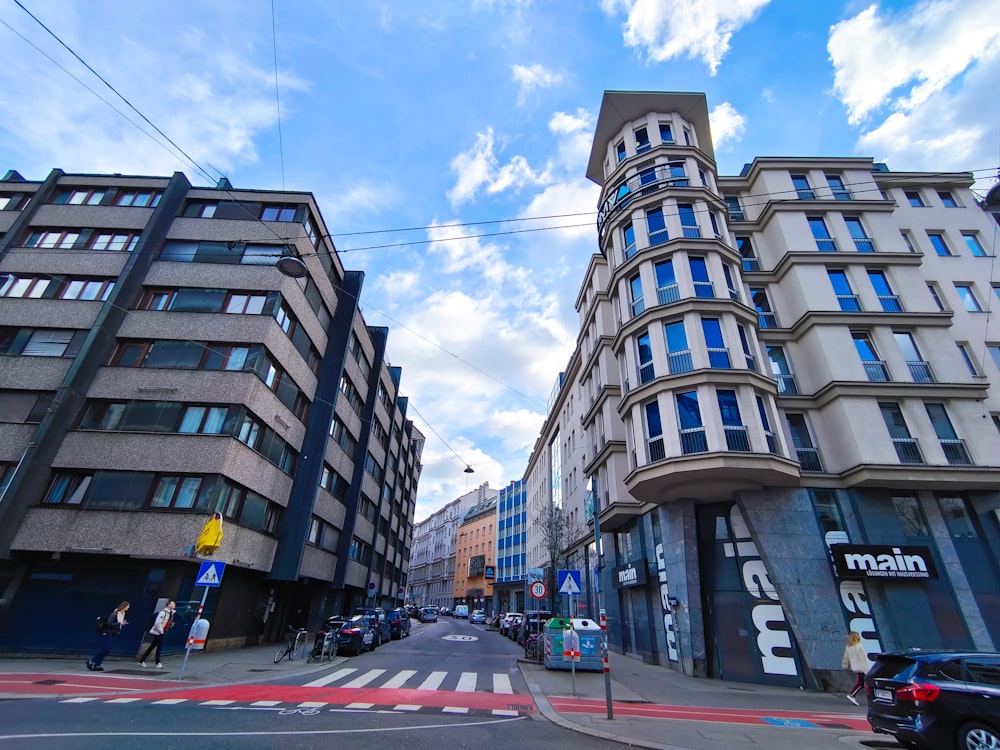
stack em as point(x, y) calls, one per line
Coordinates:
point(751, 358)
point(963, 350)
point(678, 350)
point(954, 447)
point(692, 431)
point(277, 213)
point(718, 354)
point(24, 287)
point(889, 301)
point(731, 286)
point(628, 241)
point(862, 242)
point(947, 199)
point(80, 197)
point(678, 174)
point(750, 260)
point(175, 492)
point(38, 342)
point(666, 283)
point(824, 242)
point(837, 187)
point(68, 488)
point(53, 238)
point(911, 518)
point(875, 367)
point(939, 244)
point(737, 438)
point(932, 288)
point(666, 135)
point(636, 304)
point(974, 245)
point(641, 141)
point(914, 199)
point(656, 226)
point(957, 518)
point(805, 451)
point(908, 240)
point(907, 449)
point(689, 224)
point(968, 297)
point(920, 369)
point(735, 209)
point(846, 297)
point(138, 198)
point(802, 190)
point(200, 209)
point(655, 450)
point(765, 316)
point(644, 356)
point(620, 151)
point(114, 241)
point(699, 276)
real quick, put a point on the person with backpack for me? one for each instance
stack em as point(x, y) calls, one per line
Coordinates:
point(161, 624)
point(107, 628)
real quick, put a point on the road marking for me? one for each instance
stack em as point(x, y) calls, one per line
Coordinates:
point(466, 683)
point(504, 712)
point(264, 704)
point(217, 703)
point(122, 700)
point(359, 705)
point(454, 710)
point(433, 682)
point(364, 679)
point(85, 699)
point(169, 701)
point(313, 704)
point(406, 707)
point(332, 677)
point(501, 684)
point(400, 679)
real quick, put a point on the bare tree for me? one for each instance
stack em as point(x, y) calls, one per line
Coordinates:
point(558, 535)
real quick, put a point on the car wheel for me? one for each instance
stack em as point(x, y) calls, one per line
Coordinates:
point(357, 648)
point(976, 736)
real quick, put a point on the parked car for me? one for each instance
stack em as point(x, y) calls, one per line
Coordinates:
point(515, 625)
point(429, 614)
point(399, 623)
point(445, 611)
point(413, 611)
point(462, 610)
point(354, 634)
point(939, 700)
point(478, 617)
point(505, 622)
point(378, 621)
point(532, 622)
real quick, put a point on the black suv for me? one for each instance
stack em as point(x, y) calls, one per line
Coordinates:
point(940, 700)
point(399, 623)
point(379, 622)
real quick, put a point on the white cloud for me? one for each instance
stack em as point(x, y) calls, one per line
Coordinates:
point(695, 28)
point(479, 167)
point(531, 77)
point(572, 197)
point(575, 133)
point(727, 124)
point(901, 60)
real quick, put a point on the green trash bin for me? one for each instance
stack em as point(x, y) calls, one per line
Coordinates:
point(554, 643)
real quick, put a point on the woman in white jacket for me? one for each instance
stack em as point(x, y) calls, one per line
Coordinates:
point(856, 660)
point(164, 619)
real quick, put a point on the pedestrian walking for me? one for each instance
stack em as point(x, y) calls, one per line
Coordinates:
point(110, 627)
point(161, 624)
point(856, 660)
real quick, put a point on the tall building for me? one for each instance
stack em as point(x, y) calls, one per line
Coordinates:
point(512, 532)
point(783, 382)
point(167, 353)
point(475, 555)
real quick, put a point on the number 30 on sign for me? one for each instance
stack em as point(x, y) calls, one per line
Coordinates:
point(538, 590)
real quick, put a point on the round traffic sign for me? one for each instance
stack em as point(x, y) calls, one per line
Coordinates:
point(538, 590)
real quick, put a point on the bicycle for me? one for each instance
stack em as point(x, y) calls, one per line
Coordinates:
point(324, 648)
point(294, 645)
point(534, 647)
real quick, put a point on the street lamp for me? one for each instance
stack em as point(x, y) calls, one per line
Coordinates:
point(290, 264)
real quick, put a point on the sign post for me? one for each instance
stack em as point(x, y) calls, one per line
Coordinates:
point(209, 576)
point(571, 650)
point(600, 606)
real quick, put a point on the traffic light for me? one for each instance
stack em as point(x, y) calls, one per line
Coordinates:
point(210, 537)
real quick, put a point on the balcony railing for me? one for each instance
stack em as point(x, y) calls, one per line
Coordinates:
point(646, 372)
point(826, 244)
point(766, 319)
point(692, 233)
point(629, 251)
point(849, 302)
point(704, 289)
point(864, 244)
point(772, 441)
point(622, 195)
point(637, 306)
point(737, 438)
point(693, 440)
point(680, 362)
point(876, 370)
point(718, 357)
point(809, 459)
point(658, 237)
point(655, 449)
point(842, 195)
point(751, 263)
point(786, 385)
point(736, 214)
point(956, 452)
point(751, 362)
point(908, 450)
point(920, 371)
point(890, 303)
point(668, 294)
point(806, 194)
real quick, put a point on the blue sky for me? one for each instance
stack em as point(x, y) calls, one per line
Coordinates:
point(431, 116)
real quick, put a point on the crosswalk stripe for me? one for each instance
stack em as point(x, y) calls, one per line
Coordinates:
point(169, 701)
point(122, 700)
point(359, 705)
point(433, 682)
point(400, 679)
point(217, 703)
point(454, 710)
point(466, 683)
point(501, 684)
point(82, 699)
point(332, 677)
point(406, 707)
point(264, 704)
point(364, 679)
point(312, 704)
point(503, 712)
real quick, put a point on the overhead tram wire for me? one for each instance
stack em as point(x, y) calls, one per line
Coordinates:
point(468, 467)
point(277, 97)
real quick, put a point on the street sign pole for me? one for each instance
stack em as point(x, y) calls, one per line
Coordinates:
point(190, 639)
point(603, 616)
point(209, 576)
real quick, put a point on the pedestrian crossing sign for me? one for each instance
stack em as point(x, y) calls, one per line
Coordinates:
point(569, 582)
point(210, 574)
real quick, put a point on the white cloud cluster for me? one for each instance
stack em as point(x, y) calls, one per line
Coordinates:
point(922, 82)
point(727, 124)
point(695, 28)
point(479, 167)
point(531, 77)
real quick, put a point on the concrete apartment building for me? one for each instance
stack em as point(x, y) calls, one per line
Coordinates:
point(168, 352)
point(782, 393)
point(432, 582)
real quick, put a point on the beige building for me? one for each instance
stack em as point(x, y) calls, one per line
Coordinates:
point(475, 556)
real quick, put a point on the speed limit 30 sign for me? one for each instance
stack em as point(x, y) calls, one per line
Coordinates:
point(538, 590)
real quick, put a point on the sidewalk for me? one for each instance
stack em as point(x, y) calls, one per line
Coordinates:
point(731, 715)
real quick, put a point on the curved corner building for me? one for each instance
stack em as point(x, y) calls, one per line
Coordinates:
point(784, 390)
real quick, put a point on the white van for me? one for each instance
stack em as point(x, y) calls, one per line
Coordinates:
point(462, 610)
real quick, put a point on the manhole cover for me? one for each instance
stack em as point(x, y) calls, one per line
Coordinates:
point(50, 682)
